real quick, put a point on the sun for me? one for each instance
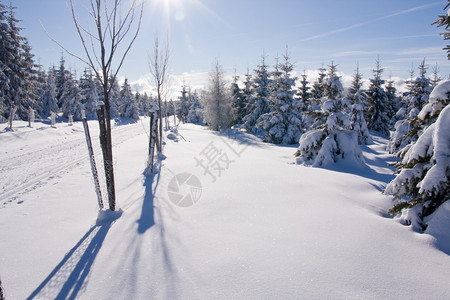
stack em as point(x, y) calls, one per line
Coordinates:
point(168, 10)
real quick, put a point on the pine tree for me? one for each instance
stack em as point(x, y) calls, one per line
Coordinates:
point(32, 85)
point(314, 115)
point(41, 79)
point(61, 77)
point(303, 92)
point(48, 101)
point(258, 104)
point(333, 140)
point(217, 101)
point(422, 87)
point(332, 86)
point(143, 103)
point(357, 97)
point(3, 62)
point(376, 107)
point(317, 91)
point(283, 124)
point(89, 92)
point(13, 89)
point(423, 180)
point(71, 100)
point(128, 105)
point(183, 105)
point(418, 93)
point(195, 114)
point(444, 20)
point(114, 96)
point(240, 98)
point(393, 102)
point(355, 93)
point(435, 79)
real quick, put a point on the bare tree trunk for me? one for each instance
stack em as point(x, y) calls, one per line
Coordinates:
point(111, 27)
point(159, 65)
point(92, 160)
point(12, 112)
point(152, 140)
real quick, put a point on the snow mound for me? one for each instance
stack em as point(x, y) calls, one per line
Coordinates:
point(441, 91)
point(108, 216)
point(438, 227)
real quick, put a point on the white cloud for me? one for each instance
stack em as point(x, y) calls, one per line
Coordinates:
point(199, 80)
point(353, 26)
point(195, 80)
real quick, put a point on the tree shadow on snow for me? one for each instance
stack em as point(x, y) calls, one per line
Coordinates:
point(147, 218)
point(364, 171)
point(236, 136)
point(69, 278)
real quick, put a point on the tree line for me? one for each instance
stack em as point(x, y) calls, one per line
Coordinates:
point(330, 123)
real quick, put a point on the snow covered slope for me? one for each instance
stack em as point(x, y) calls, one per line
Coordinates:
point(260, 227)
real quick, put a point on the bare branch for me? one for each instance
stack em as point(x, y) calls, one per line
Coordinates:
point(60, 45)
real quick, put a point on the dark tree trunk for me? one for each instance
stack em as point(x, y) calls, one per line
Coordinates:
point(106, 145)
point(152, 140)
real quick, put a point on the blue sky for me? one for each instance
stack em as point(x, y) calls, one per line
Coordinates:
point(237, 32)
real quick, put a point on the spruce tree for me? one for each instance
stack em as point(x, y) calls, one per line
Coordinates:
point(334, 139)
point(48, 101)
point(258, 104)
point(71, 99)
point(423, 180)
point(393, 102)
point(240, 97)
point(357, 97)
point(114, 97)
point(128, 105)
point(32, 84)
point(13, 89)
point(376, 106)
point(182, 109)
point(435, 78)
point(89, 91)
point(444, 20)
point(303, 92)
point(283, 124)
point(317, 91)
point(61, 77)
point(195, 114)
point(418, 93)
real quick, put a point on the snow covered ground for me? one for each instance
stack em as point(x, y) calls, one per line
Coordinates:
point(261, 226)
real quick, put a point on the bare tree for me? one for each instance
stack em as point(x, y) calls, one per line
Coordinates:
point(216, 100)
point(158, 62)
point(113, 27)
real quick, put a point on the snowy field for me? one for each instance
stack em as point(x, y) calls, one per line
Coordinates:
point(261, 226)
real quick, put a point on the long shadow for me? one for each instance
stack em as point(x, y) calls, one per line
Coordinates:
point(363, 171)
point(240, 137)
point(147, 218)
point(70, 276)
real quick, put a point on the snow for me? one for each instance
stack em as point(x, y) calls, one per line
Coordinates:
point(265, 228)
point(441, 91)
point(437, 175)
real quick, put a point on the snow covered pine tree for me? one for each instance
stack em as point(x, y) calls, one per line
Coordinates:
point(423, 182)
point(334, 140)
